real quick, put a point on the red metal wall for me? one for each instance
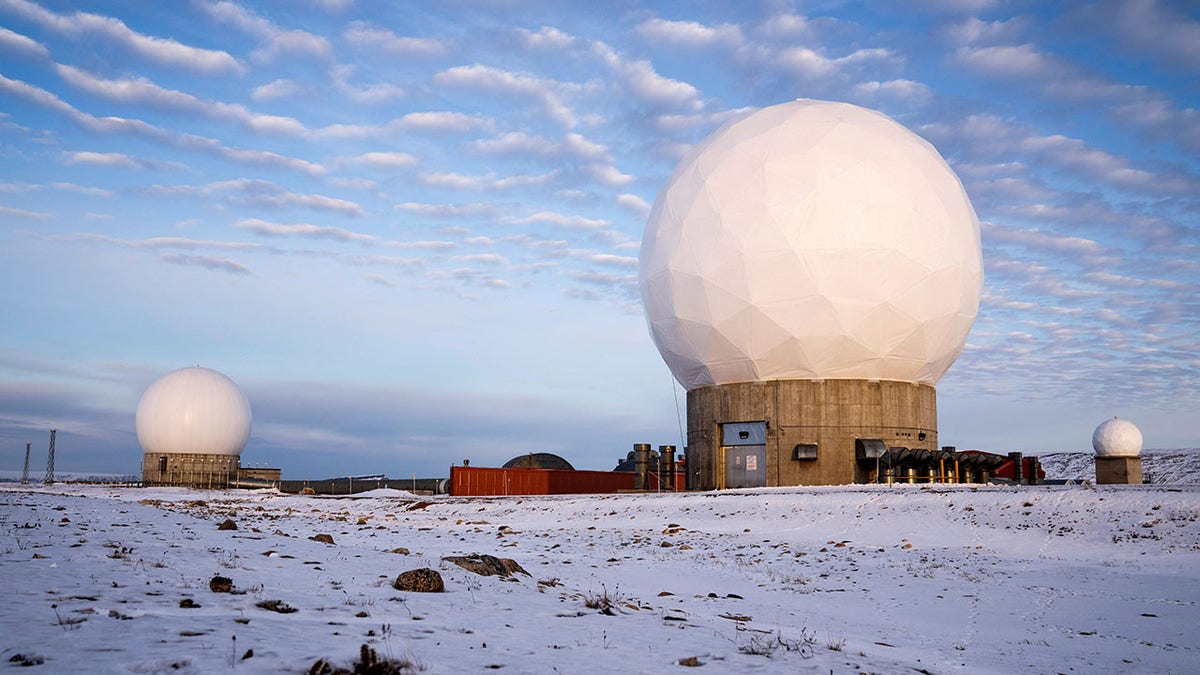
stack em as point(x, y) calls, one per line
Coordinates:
point(475, 481)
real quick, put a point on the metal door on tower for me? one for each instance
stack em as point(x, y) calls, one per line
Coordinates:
point(744, 448)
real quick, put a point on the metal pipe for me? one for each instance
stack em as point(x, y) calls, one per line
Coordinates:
point(666, 463)
point(641, 474)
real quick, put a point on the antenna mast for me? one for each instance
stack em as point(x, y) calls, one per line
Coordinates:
point(25, 471)
point(50, 461)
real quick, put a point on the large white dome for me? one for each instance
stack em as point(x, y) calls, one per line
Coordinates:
point(1117, 438)
point(811, 240)
point(193, 410)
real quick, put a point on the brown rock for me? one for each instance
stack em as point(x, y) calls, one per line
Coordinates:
point(227, 525)
point(324, 538)
point(423, 580)
point(487, 565)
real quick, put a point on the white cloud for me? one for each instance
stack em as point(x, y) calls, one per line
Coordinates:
point(608, 175)
point(516, 142)
point(302, 230)
point(134, 127)
point(207, 262)
point(454, 181)
point(609, 260)
point(158, 50)
point(902, 91)
point(973, 31)
point(675, 123)
point(440, 121)
point(366, 36)
point(19, 43)
point(447, 122)
point(277, 89)
point(144, 92)
point(82, 189)
point(808, 64)
point(276, 41)
point(546, 92)
point(545, 37)
point(377, 92)
point(381, 280)
point(385, 160)
point(485, 258)
point(643, 81)
point(447, 210)
point(523, 143)
point(784, 26)
point(459, 181)
point(354, 183)
point(689, 33)
point(104, 159)
point(426, 244)
point(634, 203)
point(24, 213)
point(261, 193)
point(561, 220)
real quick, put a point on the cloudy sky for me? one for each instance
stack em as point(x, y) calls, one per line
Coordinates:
point(409, 231)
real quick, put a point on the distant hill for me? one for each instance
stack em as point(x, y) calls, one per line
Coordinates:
point(65, 477)
point(1158, 466)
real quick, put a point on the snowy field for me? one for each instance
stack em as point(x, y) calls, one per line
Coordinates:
point(889, 579)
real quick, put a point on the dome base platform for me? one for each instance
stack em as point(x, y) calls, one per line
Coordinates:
point(1118, 470)
point(803, 432)
point(189, 469)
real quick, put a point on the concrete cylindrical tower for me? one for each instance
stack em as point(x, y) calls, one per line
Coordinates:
point(809, 272)
point(192, 424)
point(1118, 446)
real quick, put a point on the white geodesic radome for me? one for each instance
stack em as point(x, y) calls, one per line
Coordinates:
point(811, 240)
point(1117, 438)
point(193, 410)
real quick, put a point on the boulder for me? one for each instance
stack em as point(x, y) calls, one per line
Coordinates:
point(422, 580)
point(487, 565)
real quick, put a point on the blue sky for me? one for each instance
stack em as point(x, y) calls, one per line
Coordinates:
point(409, 231)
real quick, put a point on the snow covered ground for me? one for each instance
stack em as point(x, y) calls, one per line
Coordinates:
point(891, 579)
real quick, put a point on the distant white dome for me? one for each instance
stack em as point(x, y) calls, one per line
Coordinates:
point(1117, 438)
point(811, 240)
point(193, 410)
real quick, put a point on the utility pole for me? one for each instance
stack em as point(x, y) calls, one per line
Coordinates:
point(50, 461)
point(25, 471)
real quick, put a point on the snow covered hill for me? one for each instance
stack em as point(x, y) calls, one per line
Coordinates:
point(1160, 467)
point(880, 578)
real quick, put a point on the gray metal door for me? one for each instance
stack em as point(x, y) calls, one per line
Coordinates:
point(745, 466)
point(744, 446)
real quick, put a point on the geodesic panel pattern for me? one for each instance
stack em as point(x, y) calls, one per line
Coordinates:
point(193, 410)
point(1117, 438)
point(811, 240)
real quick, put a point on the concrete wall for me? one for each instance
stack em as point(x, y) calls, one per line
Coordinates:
point(1118, 470)
point(189, 469)
point(830, 413)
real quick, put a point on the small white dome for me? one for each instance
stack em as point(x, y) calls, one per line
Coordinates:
point(1117, 438)
point(193, 410)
